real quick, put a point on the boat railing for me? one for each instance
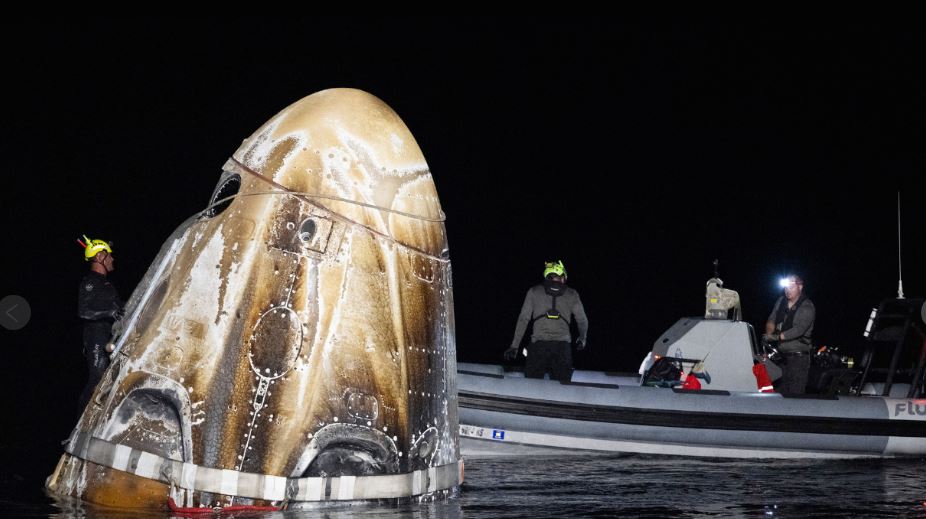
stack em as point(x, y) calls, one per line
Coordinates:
point(896, 328)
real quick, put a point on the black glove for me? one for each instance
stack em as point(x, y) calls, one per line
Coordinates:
point(580, 344)
point(511, 353)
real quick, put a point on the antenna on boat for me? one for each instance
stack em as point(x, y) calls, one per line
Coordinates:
point(899, 263)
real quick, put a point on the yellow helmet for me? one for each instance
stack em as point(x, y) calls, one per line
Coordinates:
point(554, 267)
point(94, 247)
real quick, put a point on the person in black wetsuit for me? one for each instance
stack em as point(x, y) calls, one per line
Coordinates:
point(98, 305)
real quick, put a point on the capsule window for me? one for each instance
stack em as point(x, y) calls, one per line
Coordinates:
point(223, 195)
point(307, 231)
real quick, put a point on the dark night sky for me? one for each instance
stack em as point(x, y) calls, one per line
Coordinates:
point(637, 154)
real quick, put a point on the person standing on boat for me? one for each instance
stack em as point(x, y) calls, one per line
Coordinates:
point(98, 305)
point(551, 307)
point(790, 325)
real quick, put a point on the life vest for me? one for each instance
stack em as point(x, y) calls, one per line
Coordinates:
point(784, 319)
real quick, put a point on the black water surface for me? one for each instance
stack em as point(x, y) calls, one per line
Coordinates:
point(609, 486)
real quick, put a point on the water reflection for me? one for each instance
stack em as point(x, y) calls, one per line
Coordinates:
point(638, 486)
point(446, 508)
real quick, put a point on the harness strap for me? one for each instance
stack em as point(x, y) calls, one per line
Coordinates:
point(548, 313)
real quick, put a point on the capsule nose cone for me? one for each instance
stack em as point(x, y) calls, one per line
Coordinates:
point(349, 152)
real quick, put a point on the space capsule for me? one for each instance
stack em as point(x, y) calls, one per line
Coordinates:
point(292, 343)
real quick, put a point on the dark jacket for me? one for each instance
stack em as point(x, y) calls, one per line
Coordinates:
point(99, 305)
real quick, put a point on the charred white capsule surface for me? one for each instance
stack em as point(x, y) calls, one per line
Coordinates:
point(295, 341)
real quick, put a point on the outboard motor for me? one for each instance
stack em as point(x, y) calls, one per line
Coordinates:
point(831, 373)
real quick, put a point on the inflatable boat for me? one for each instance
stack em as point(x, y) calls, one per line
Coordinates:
point(730, 416)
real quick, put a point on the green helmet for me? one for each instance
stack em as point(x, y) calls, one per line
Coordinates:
point(554, 267)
